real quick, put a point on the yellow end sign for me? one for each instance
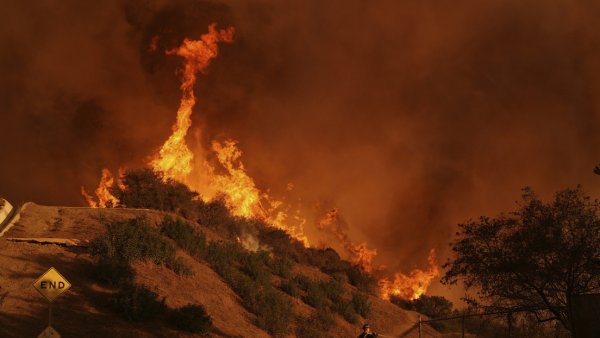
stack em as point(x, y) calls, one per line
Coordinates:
point(51, 284)
point(49, 332)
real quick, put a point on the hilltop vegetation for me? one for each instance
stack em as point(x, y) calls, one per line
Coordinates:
point(264, 276)
point(147, 273)
point(263, 279)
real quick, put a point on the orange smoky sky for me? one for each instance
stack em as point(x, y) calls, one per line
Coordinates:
point(409, 117)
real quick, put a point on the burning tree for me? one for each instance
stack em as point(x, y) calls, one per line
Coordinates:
point(534, 259)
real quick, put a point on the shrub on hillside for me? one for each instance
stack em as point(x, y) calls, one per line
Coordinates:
point(185, 235)
point(305, 328)
point(281, 267)
point(148, 189)
point(222, 255)
point(332, 289)
point(315, 296)
point(133, 239)
point(191, 318)
point(214, 214)
point(431, 306)
point(346, 310)
point(254, 265)
point(302, 281)
point(274, 311)
point(137, 303)
point(361, 304)
point(272, 308)
point(319, 292)
point(316, 325)
point(248, 289)
point(113, 272)
point(406, 304)
point(361, 279)
point(341, 277)
point(291, 288)
point(241, 226)
point(323, 319)
point(179, 267)
point(327, 260)
point(283, 244)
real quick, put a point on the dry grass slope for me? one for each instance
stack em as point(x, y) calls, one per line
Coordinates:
point(84, 310)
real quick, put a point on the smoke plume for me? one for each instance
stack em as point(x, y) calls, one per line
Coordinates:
point(408, 117)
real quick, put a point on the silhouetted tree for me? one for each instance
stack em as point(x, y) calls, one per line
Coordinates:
point(535, 258)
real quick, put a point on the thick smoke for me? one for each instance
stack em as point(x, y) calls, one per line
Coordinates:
point(407, 117)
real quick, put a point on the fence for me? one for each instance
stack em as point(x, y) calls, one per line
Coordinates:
point(504, 321)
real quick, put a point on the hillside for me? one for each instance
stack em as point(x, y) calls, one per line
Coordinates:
point(45, 236)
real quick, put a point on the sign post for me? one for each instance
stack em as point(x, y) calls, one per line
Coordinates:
point(51, 284)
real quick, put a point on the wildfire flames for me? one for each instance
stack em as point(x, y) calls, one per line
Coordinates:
point(241, 195)
point(103, 194)
point(410, 286)
point(175, 160)
point(359, 254)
